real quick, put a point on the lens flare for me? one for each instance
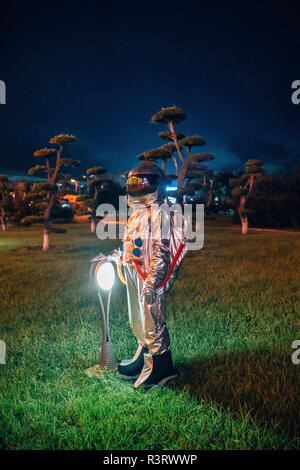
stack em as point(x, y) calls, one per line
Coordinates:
point(105, 276)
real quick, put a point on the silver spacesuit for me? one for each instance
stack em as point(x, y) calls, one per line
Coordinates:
point(151, 254)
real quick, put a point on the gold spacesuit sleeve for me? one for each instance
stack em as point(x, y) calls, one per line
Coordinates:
point(159, 262)
point(159, 266)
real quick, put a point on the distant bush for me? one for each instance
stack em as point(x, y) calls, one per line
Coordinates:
point(31, 219)
point(65, 213)
point(58, 230)
point(277, 202)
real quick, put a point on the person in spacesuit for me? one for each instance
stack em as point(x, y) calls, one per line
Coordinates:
point(149, 262)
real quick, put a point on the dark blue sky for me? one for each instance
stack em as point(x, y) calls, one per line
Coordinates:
point(101, 72)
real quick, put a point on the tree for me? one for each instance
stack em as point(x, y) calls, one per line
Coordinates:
point(171, 146)
point(244, 186)
point(46, 193)
point(91, 199)
point(174, 115)
point(223, 190)
point(161, 153)
point(6, 201)
point(275, 201)
point(201, 178)
point(20, 190)
point(210, 190)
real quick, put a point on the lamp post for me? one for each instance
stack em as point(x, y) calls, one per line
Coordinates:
point(103, 275)
point(76, 183)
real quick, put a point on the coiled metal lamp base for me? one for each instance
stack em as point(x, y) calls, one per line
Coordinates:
point(107, 358)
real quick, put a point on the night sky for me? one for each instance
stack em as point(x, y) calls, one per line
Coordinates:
point(101, 72)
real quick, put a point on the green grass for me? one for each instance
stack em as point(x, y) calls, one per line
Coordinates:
point(233, 314)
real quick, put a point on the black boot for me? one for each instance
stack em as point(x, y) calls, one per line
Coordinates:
point(162, 371)
point(130, 370)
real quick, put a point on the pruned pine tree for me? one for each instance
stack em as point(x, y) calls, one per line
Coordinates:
point(207, 184)
point(46, 194)
point(174, 115)
point(192, 159)
point(6, 201)
point(202, 179)
point(171, 146)
point(223, 189)
point(243, 189)
point(160, 153)
point(91, 199)
point(210, 190)
point(193, 183)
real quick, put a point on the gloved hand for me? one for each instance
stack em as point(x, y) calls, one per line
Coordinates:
point(114, 256)
point(99, 257)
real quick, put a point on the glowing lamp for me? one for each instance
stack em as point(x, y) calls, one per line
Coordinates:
point(105, 276)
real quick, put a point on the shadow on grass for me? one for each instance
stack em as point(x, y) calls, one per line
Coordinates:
point(257, 383)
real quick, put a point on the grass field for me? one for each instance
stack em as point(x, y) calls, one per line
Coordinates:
point(233, 314)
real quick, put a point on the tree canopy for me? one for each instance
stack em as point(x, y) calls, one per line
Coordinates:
point(96, 170)
point(46, 195)
point(45, 152)
point(192, 141)
point(62, 139)
point(171, 114)
point(167, 135)
point(177, 142)
point(153, 154)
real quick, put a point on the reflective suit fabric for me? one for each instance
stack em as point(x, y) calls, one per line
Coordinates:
point(146, 303)
point(147, 314)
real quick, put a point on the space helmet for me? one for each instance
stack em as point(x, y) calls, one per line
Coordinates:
point(144, 179)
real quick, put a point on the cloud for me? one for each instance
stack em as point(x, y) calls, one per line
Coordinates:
point(255, 145)
point(21, 176)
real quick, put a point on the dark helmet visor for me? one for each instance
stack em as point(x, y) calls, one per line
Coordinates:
point(139, 185)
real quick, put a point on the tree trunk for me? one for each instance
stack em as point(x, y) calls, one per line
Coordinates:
point(251, 183)
point(93, 225)
point(46, 238)
point(4, 225)
point(174, 138)
point(244, 220)
point(182, 173)
point(210, 193)
point(209, 199)
point(176, 165)
point(93, 219)
point(243, 217)
point(3, 220)
point(47, 218)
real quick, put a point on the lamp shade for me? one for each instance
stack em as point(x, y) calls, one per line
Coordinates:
point(105, 276)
